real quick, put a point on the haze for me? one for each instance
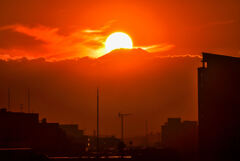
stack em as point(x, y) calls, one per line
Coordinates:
point(56, 48)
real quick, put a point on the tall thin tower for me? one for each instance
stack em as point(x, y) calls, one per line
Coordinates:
point(98, 121)
point(122, 116)
point(9, 99)
point(146, 133)
point(28, 94)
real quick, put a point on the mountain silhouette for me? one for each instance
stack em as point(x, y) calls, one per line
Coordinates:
point(120, 54)
point(133, 81)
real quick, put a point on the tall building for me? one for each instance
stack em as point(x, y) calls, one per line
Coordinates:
point(171, 133)
point(219, 107)
point(181, 136)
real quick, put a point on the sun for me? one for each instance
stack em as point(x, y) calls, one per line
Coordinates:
point(118, 40)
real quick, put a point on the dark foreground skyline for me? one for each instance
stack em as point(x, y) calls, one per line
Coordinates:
point(218, 107)
point(145, 58)
point(218, 103)
point(59, 50)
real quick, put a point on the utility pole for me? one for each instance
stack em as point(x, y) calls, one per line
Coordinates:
point(122, 115)
point(98, 150)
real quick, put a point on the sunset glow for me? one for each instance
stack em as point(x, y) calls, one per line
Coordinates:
point(144, 57)
point(118, 40)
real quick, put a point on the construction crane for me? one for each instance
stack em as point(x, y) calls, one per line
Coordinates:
point(122, 116)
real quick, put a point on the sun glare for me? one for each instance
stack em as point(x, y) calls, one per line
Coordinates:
point(118, 40)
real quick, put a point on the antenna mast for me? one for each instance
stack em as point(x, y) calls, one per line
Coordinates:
point(9, 99)
point(28, 100)
point(146, 133)
point(122, 116)
point(98, 121)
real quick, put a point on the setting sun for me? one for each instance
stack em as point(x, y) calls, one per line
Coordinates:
point(118, 40)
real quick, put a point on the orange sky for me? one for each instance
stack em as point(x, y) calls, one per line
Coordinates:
point(60, 29)
point(152, 86)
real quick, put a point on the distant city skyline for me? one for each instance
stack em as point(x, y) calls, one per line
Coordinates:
point(125, 80)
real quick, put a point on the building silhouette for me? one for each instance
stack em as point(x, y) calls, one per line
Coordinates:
point(181, 136)
point(24, 130)
point(106, 144)
point(76, 137)
point(17, 128)
point(219, 107)
point(171, 133)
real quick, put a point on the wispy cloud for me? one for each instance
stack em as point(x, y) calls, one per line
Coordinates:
point(157, 47)
point(215, 24)
point(181, 56)
point(58, 46)
point(100, 30)
point(224, 22)
point(92, 31)
point(6, 54)
point(79, 43)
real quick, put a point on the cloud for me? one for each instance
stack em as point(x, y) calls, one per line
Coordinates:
point(157, 47)
point(14, 54)
point(226, 22)
point(78, 43)
point(102, 29)
point(92, 31)
point(57, 46)
point(215, 24)
point(181, 56)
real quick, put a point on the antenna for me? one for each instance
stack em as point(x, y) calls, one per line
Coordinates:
point(146, 133)
point(9, 99)
point(122, 116)
point(28, 100)
point(98, 121)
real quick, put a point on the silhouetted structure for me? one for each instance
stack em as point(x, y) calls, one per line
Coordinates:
point(23, 130)
point(106, 144)
point(17, 128)
point(153, 141)
point(97, 139)
point(219, 107)
point(76, 137)
point(122, 116)
point(171, 133)
point(49, 138)
point(181, 136)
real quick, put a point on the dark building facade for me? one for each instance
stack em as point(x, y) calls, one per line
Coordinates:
point(219, 107)
point(171, 133)
point(24, 130)
point(76, 137)
point(106, 144)
point(181, 136)
point(17, 128)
